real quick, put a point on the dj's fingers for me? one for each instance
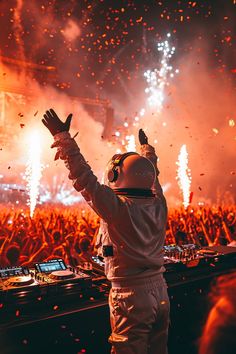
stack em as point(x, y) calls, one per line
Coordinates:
point(45, 122)
point(68, 121)
point(53, 114)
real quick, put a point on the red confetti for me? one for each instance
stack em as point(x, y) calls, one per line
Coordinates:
point(228, 39)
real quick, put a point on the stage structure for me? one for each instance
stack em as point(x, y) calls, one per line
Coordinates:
point(18, 95)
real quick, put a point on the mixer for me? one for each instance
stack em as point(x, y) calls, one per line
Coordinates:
point(189, 254)
point(47, 278)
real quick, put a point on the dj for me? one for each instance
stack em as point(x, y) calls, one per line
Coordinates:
point(133, 214)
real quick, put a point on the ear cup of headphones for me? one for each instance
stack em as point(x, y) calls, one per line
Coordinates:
point(112, 175)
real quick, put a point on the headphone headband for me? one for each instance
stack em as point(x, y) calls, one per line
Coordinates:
point(118, 158)
point(116, 161)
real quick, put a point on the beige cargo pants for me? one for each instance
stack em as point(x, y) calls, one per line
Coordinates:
point(139, 315)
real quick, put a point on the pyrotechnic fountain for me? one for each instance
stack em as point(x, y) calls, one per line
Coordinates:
point(184, 175)
point(33, 170)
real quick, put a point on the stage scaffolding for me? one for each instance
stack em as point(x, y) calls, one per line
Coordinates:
point(99, 109)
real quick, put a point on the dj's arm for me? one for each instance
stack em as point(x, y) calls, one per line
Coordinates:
point(100, 197)
point(148, 151)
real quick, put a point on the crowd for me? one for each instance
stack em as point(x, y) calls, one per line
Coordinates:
point(70, 233)
point(203, 226)
point(52, 233)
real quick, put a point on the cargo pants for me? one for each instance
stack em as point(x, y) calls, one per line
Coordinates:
point(139, 316)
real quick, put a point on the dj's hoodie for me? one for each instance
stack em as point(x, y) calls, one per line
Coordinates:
point(133, 228)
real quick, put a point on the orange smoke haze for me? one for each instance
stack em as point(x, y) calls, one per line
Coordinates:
point(22, 118)
point(199, 108)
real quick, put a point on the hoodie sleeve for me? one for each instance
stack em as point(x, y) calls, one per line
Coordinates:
point(148, 151)
point(100, 197)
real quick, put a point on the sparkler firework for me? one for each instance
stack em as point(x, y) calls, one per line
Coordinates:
point(131, 143)
point(158, 79)
point(33, 171)
point(184, 175)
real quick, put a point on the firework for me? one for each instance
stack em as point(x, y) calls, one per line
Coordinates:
point(158, 79)
point(184, 175)
point(130, 146)
point(33, 171)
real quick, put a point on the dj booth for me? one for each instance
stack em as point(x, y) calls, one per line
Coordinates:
point(53, 308)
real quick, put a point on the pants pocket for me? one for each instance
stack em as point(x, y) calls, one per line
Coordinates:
point(120, 302)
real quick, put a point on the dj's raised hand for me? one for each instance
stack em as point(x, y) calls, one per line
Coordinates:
point(143, 139)
point(54, 124)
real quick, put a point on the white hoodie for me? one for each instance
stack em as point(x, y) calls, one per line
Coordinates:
point(133, 226)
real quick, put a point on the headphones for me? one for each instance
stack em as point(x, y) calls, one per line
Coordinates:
point(113, 174)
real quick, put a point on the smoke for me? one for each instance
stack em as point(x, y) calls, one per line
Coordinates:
point(18, 28)
point(42, 98)
point(197, 111)
point(24, 100)
point(23, 118)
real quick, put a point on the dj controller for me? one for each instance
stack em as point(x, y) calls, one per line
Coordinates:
point(190, 263)
point(52, 296)
point(49, 280)
point(54, 278)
